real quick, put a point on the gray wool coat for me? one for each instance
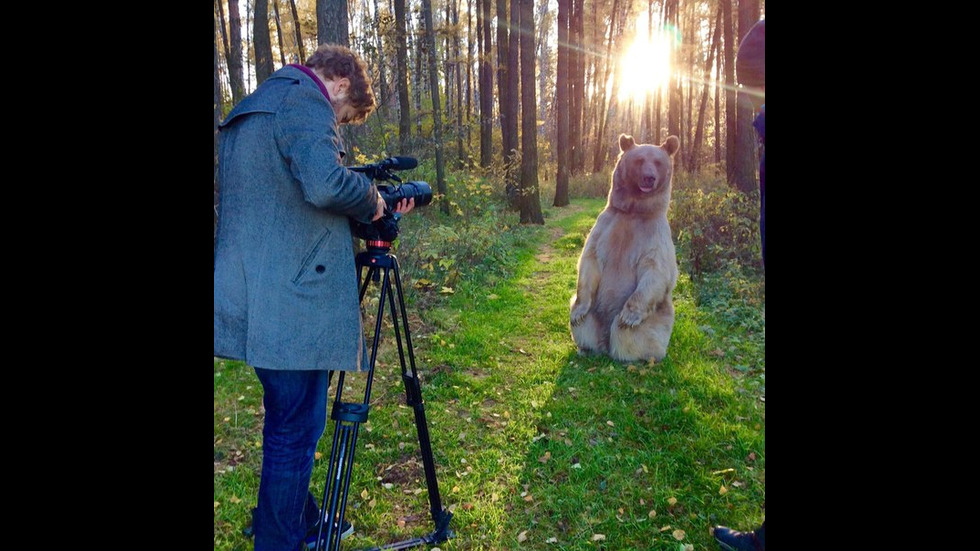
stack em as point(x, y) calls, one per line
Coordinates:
point(285, 283)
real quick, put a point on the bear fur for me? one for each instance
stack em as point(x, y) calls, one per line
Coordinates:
point(628, 268)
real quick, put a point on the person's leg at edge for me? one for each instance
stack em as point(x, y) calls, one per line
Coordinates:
point(295, 418)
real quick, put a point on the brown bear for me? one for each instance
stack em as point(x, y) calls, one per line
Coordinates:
point(628, 268)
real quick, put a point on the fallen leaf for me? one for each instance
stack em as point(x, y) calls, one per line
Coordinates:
point(751, 456)
point(598, 537)
point(577, 466)
point(388, 485)
point(687, 547)
point(235, 499)
point(672, 501)
point(652, 513)
point(216, 504)
point(610, 423)
point(528, 498)
point(522, 537)
point(467, 506)
point(723, 490)
point(492, 296)
point(544, 458)
point(401, 523)
point(568, 441)
point(447, 291)
point(665, 528)
point(364, 494)
point(317, 456)
point(679, 534)
point(372, 503)
point(455, 489)
point(551, 540)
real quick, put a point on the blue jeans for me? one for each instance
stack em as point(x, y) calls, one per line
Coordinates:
point(295, 416)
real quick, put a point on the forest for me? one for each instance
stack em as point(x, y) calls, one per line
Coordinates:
point(514, 109)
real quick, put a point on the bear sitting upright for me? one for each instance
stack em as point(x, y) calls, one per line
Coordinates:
point(628, 268)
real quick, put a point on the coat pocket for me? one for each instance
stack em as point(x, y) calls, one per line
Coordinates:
point(311, 255)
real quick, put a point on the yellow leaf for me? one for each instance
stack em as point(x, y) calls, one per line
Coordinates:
point(447, 291)
point(723, 490)
point(364, 493)
point(598, 537)
point(317, 456)
point(679, 534)
point(672, 501)
point(217, 504)
point(610, 423)
point(493, 297)
point(522, 537)
point(544, 458)
point(529, 498)
point(372, 503)
point(235, 499)
point(665, 528)
point(455, 489)
point(652, 513)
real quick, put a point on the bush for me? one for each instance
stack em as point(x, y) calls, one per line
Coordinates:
point(716, 227)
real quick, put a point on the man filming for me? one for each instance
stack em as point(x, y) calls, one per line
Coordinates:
point(285, 284)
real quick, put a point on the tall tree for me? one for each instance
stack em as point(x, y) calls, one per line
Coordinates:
point(512, 99)
point(504, 86)
point(530, 196)
point(599, 156)
point(745, 140)
point(457, 31)
point(299, 32)
point(282, 49)
point(694, 163)
point(261, 41)
point(544, 58)
point(486, 90)
point(331, 22)
point(233, 51)
point(401, 76)
point(576, 95)
point(469, 71)
point(430, 40)
point(730, 112)
point(561, 106)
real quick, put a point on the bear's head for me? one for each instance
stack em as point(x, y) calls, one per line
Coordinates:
point(641, 179)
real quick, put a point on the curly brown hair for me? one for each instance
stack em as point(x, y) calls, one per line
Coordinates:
point(335, 61)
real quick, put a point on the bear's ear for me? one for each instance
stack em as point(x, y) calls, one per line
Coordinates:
point(671, 145)
point(626, 142)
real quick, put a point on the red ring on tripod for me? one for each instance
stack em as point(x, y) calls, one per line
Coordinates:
point(379, 244)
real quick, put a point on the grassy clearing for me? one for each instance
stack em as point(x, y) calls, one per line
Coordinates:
point(536, 446)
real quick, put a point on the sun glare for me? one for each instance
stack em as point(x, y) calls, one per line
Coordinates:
point(645, 67)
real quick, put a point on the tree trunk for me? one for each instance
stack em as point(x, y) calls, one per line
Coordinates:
point(695, 158)
point(576, 86)
point(504, 88)
point(486, 89)
point(561, 106)
point(430, 41)
point(261, 41)
point(513, 100)
point(718, 108)
point(469, 71)
point(331, 22)
point(401, 60)
point(299, 32)
point(381, 87)
point(730, 116)
point(458, 55)
point(418, 80)
point(673, 97)
point(282, 50)
point(233, 52)
point(745, 138)
point(530, 197)
point(544, 59)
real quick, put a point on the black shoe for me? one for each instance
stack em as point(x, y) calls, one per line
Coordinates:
point(733, 540)
point(346, 529)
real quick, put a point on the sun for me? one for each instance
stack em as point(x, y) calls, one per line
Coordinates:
point(645, 67)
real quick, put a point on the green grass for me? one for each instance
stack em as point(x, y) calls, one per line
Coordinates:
point(538, 447)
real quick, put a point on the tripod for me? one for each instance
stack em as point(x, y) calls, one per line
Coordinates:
point(381, 265)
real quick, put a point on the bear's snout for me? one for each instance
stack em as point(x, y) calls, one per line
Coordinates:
point(648, 183)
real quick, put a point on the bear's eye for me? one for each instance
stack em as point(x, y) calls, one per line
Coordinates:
point(637, 162)
point(656, 164)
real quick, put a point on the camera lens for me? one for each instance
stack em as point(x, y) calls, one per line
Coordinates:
point(408, 190)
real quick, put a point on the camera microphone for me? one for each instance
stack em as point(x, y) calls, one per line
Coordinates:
point(399, 163)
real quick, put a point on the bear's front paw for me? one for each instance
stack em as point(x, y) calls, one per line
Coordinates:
point(630, 317)
point(579, 312)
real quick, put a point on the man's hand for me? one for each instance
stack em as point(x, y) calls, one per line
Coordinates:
point(405, 205)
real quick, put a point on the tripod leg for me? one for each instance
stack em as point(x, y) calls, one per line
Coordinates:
point(413, 394)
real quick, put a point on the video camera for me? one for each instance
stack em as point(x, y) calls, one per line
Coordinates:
point(386, 228)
